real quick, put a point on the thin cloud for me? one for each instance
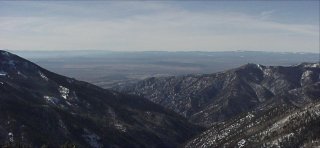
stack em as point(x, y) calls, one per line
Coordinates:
point(152, 28)
point(266, 14)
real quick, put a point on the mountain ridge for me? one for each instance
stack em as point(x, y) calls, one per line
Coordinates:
point(249, 106)
point(284, 121)
point(252, 105)
point(40, 108)
point(193, 95)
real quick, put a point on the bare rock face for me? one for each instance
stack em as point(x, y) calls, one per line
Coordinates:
point(211, 98)
point(41, 108)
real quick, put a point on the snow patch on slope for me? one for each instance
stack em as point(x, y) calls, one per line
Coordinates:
point(120, 127)
point(312, 65)
point(52, 100)
point(3, 73)
point(241, 143)
point(43, 76)
point(64, 92)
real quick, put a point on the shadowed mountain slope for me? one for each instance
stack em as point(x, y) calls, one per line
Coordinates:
point(211, 98)
point(288, 120)
point(38, 107)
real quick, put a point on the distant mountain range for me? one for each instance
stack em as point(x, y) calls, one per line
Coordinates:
point(107, 69)
point(249, 106)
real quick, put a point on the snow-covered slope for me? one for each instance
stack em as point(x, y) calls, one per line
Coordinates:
point(279, 122)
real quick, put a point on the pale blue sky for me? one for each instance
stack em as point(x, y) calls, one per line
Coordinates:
point(155, 25)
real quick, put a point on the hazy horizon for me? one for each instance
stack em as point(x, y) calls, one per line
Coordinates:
point(272, 26)
point(101, 50)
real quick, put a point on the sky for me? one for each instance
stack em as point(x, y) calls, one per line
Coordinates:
point(284, 26)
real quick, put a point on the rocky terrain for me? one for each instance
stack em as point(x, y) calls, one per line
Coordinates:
point(40, 108)
point(212, 98)
point(249, 106)
point(290, 120)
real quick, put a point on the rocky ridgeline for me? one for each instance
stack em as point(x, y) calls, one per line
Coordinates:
point(210, 98)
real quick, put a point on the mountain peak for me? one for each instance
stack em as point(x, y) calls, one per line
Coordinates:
point(4, 55)
point(14, 66)
point(310, 65)
point(253, 65)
